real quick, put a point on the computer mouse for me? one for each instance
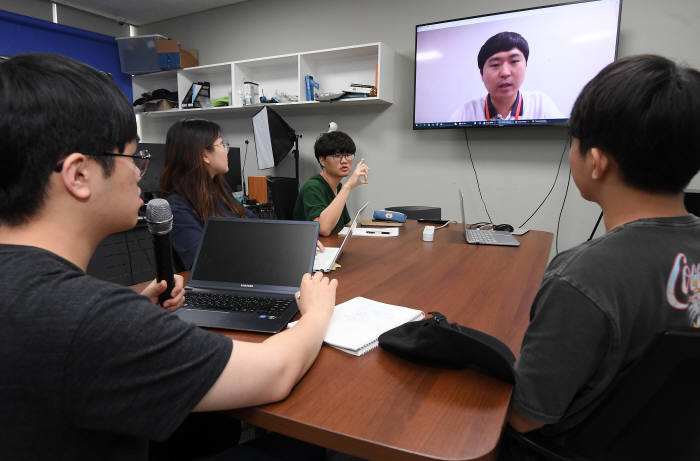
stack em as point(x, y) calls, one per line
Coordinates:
point(503, 227)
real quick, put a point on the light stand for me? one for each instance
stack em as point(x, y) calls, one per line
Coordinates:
point(295, 152)
point(245, 156)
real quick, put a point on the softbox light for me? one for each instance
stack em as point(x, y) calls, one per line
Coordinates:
point(274, 138)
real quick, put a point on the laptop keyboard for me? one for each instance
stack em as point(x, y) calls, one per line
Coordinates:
point(480, 236)
point(268, 307)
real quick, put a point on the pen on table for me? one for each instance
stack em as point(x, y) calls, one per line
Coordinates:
point(378, 232)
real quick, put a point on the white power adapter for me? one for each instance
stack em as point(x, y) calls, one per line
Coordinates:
point(428, 233)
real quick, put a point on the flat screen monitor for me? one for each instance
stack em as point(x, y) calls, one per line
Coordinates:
point(233, 177)
point(150, 182)
point(274, 138)
point(523, 67)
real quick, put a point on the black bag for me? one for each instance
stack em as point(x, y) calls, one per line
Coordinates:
point(437, 343)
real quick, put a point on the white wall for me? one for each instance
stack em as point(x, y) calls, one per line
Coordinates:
point(41, 9)
point(92, 22)
point(516, 166)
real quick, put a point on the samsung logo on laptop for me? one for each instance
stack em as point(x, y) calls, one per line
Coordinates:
point(245, 285)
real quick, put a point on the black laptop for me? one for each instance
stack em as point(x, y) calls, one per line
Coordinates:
point(246, 273)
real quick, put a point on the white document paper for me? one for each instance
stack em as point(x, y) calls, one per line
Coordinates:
point(356, 324)
point(377, 232)
point(372, 231)
point(323, 260)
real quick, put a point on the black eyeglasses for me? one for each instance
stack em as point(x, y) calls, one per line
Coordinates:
point(338, 156)
point(141, 159)
point(223, 144)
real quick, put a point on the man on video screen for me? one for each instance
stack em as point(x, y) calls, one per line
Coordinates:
point(502, 62)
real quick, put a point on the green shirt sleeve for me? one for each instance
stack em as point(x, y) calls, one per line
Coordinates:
point(314, 197)
point(312, 200)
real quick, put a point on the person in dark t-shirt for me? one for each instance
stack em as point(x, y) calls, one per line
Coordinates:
point(92, 370)
point(196, 160)
point(636, 146)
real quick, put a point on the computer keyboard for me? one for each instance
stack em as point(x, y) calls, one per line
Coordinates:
point(480, 236)
point(219, 302)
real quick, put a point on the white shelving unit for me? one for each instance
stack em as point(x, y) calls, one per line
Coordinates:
point(277, 73)
point(335, 69)
point(218, 76)
point(145, 83)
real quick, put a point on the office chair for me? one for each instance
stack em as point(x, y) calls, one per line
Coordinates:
point(111, 260)
point(283, 193)
point(651, 412)
point(125, 258)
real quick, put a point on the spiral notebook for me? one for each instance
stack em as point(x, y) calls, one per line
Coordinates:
point(356, 324)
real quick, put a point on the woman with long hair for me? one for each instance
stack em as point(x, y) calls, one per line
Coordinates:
point(196, 159)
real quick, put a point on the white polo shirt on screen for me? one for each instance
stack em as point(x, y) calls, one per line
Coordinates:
point(536, 105)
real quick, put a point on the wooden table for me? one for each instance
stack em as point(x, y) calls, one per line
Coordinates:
point(379, 406)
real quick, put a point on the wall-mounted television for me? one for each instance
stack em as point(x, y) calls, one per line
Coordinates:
point(523, 67)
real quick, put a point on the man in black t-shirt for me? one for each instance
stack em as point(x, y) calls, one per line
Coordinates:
point(636, 145)
point(92, 370)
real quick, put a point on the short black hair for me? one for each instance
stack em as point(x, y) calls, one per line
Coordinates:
point(502, 41)
point(332, 143)
point(53, 106)
point(644, 111)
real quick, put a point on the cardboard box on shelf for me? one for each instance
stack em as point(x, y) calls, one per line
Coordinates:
point(170, 56)
point(159, 104)
point(151, 53)
point(167, 46)
point(189, 58)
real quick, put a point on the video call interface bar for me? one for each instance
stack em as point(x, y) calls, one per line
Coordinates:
point(492, 123)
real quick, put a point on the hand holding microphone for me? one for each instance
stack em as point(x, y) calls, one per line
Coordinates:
point(159, 219)
point(155, 289)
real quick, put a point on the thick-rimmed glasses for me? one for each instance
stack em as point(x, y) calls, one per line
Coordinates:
point(223, 144)
point(141, 159)
point(338, 156)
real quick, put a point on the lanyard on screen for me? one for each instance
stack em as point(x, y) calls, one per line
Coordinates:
point(517, 107)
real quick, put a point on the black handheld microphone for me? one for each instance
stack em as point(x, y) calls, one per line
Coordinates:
point(159, 219)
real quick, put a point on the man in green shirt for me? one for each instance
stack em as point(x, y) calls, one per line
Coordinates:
point(322, 198)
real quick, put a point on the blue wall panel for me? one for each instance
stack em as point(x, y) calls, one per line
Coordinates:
point(22, 34)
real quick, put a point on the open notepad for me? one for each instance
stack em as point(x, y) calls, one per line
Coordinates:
point(356, 324)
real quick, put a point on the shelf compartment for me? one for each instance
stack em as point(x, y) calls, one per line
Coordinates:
point(273, 74)
point(219, 77)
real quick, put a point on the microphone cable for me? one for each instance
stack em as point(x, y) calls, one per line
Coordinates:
point(595, 228)
point(566, 192)
point(567, 143)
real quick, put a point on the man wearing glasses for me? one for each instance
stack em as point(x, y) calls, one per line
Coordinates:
point(91, 369)
point(141, 159)
point(322, 198)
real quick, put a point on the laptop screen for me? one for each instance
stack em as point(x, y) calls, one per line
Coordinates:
point(255, 251)
point(353, 226)
point(461, 207)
